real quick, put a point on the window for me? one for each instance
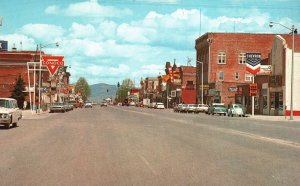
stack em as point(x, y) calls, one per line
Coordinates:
point(242, 58)
point(248, 77)
point(237, 76)
point(221, 58)
point(221, 75)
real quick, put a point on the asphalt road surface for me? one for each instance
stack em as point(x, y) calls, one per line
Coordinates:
point(139, 146)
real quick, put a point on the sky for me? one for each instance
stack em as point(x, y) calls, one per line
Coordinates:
point(106, 41)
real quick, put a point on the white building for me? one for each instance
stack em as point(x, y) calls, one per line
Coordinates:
point(280, 80)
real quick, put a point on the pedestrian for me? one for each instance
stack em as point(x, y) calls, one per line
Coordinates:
point(24, 105)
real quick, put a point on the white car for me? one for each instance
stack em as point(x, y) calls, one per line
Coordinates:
point(201, 108)
point(9, 112)
point(159, 106)
point(236, 110)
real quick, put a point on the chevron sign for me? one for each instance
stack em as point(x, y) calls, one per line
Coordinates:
point(253, 62)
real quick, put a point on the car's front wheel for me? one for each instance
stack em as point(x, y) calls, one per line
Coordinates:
point(7, 126)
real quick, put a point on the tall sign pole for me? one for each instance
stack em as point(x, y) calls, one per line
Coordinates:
point(253, 66)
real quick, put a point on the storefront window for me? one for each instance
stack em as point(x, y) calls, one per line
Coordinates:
point(265, 102)
point(272, 99)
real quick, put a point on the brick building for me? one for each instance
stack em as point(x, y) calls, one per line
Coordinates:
point(14, 63)
point(180, 84)
point(224, 57)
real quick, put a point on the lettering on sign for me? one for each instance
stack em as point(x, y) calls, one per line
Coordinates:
point(52, 63)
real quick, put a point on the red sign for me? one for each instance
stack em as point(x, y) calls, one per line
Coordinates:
point(53, 62)
point(253, 89)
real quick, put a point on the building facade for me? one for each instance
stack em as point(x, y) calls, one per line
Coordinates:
point(26, 64)
point(278, 90)
point(224, 57)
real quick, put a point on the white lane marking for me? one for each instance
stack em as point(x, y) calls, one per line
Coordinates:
point(234, 132)
point(147, 163)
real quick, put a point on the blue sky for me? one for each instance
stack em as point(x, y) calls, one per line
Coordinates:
point(106, 41)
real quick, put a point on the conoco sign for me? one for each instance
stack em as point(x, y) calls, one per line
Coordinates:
point(52, 63)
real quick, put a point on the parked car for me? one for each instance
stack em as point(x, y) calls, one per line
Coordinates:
point(236, 110)
point(68, 106)
point(152, 105)
point(201, 108)
point(58, 107)
point(88, 105)
point(103, 104)
point(191, 108)
point(159, 106)
point(132, 103)
point(183, 108)
point(9, 112)
point(140, 104)
point(217, 108)
point(177, 107)
point(75, 104)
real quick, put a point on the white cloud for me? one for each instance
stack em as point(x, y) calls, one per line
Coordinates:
point(17, 39)
point(82, 47)
point(43, 32)
point(94, 9)
point(82, 31)
point(132, 34)
point(53, 9)
point(100, 70)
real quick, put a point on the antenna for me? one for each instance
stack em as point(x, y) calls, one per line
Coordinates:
point(189, 61)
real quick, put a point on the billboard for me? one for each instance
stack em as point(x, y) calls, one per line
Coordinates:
point(3, 45)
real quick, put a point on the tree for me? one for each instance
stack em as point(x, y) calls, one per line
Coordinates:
point(18, 92)
point(83, 88)
point(123, 90)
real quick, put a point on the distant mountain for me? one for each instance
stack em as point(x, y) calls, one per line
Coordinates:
point(102, 91)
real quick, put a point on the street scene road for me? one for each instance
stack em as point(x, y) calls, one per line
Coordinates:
point(118, 145)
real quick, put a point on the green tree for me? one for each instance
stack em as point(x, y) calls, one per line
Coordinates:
point(83, 87)
point(18, 92)
point(123, 90)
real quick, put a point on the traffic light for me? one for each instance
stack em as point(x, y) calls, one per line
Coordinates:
point(253, 89)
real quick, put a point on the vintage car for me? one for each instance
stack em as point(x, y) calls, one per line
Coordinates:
point(9, 112)
point(217, 108)
point(201, 108)
point(191, 108)
point(58, 107)
point(236, 110)
point(159, 105)
point(88, 104)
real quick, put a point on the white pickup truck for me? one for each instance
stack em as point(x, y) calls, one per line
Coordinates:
point(9, 112)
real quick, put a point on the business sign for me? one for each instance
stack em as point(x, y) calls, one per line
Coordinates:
point(3, 45)
point(253, 62)
point(232, 89)
point(173, 93)
point(265, 70)
point(52, 63)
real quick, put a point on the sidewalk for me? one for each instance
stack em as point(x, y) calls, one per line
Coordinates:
point(275, 118)
point(28, 114)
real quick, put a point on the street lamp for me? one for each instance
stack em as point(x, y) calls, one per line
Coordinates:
point(40, 71)
point(271, 24)
point(201, 80)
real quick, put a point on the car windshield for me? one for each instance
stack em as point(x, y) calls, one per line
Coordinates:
point(5, 103)
point(58, 104)
point(237, 106)
point(219, 106)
